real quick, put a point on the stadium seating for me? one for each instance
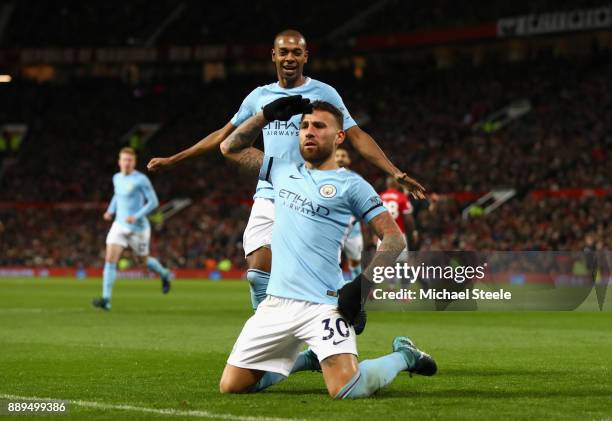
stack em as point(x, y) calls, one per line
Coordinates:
point(422, 118)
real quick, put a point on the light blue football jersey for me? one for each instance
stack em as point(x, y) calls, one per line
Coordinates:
point(313, 209)
point(134, 196)
point(281, 138)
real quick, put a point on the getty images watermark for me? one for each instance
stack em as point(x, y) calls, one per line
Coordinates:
point(404, 272)
point(462, 280)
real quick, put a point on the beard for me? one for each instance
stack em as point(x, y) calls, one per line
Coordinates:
point(317, 155)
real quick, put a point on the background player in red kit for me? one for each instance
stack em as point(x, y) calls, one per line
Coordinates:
point(399, 206)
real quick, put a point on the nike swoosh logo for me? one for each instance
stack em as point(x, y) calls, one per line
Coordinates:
point(339, 342)
point(295, 178)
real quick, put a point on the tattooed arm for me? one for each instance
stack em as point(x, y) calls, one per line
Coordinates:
point(392, 245)
point(353, 295)
point(237, 147)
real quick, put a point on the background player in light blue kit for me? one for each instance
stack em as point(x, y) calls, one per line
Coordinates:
point(133, 200)
point(307, 300)
point(352, 243)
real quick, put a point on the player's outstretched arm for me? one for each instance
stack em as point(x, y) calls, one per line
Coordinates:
point(369, 149)
point(205, 145)
point(352, 296)
point(237, 147)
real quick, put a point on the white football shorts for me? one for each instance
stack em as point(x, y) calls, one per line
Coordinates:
point(274, 336)
point(258, 232)
point(138, 241)
point(353, 246)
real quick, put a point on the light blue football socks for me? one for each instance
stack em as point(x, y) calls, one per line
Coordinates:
point(258, 282)
point(154, 266)
point(108, 279)
point(373, 375)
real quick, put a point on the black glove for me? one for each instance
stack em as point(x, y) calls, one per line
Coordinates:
point(351, 298)
point(286, 107)
point(360, 322)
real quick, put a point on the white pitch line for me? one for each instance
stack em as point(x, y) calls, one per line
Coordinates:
point(41, 310)
point(165, 411)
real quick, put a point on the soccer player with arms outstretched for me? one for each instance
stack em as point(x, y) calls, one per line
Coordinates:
point(281, 140)
point(307, 300)
point(133, 199)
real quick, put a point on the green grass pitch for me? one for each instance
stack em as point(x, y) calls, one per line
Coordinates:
point(155, 352)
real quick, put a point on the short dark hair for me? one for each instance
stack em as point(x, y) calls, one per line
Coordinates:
point(327, 107)
point(342, 147)
point(290, 33)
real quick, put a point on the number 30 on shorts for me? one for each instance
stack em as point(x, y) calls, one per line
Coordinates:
point(341, 326)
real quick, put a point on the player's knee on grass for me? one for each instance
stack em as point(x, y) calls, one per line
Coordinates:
point(238, 380)
point(338, 370)
point(226, 386)
point(260, 259)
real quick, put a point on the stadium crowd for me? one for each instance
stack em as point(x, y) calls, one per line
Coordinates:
point(424, 120)
point(542, 224)
point(213, 231)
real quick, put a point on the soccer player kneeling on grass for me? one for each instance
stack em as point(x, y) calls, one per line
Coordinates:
point(306, 301)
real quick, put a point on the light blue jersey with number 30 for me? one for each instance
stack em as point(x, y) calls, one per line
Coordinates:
point(282, 138)
point(313, 211)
